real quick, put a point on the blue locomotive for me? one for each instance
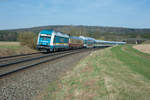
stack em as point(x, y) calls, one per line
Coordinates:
point(51, 40)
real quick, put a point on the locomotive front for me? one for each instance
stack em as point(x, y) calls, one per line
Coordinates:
point(44, 40)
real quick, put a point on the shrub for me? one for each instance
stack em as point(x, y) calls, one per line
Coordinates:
point(28, 39)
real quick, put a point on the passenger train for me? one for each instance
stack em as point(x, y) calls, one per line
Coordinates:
point(51, 40)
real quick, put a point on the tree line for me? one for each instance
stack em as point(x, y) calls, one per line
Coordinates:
point(28, 36)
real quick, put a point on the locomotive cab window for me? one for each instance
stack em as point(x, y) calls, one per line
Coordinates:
point(45, 37)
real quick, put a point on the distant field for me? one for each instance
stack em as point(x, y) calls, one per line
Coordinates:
point(13, 48)
point(10, 45)
point(118, 73)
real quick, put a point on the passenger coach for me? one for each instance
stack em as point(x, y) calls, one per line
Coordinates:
point(88, 42)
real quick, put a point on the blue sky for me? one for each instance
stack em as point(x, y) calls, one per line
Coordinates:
point(30, 13)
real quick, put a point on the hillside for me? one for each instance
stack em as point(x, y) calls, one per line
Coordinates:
point(104, 33)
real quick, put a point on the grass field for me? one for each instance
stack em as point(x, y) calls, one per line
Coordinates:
point(118, 73)
point(13, 48)
point(10, 45)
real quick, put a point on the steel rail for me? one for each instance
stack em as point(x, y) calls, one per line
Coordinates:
point(31, 59)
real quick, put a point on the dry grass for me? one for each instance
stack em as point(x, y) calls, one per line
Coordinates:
point(143, 48)
point(13, 48)
point(9, 43)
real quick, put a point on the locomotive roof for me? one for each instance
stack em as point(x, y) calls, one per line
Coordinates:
point(46, 31)
point(50, 32)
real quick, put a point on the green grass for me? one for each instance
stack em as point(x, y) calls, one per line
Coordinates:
point(118, 73)
point(11, 47)
point(134, 59)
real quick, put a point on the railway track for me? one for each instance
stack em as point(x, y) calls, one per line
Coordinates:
point(19, 55)
point(8, 67)
point(6, 61)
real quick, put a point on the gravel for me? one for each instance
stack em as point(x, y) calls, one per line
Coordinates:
point(28, 83)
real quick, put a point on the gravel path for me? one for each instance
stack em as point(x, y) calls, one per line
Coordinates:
point(27, 84)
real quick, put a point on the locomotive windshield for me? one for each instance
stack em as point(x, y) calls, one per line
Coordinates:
point(45, 36)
